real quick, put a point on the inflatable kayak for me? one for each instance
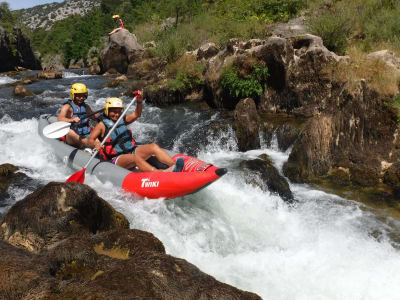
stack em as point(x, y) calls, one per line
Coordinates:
point(195, 176)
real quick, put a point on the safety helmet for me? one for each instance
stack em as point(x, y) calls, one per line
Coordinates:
point(113, 103)
point(115, 16)
point(78, 88)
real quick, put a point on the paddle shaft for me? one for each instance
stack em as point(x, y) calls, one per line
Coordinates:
point(111, 130)
point(92, 114)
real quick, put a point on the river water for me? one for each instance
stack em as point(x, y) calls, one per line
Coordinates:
point(325, 247)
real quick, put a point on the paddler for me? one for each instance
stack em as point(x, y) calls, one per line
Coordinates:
point(121, 148)
point(75, 110)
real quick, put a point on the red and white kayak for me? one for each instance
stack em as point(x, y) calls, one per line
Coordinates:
point(196, 174)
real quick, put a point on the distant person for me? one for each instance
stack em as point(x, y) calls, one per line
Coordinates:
point(75, 111)
point(118, 22)
point(120, 148)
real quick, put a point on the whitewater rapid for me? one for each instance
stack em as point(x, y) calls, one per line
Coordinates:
point(324, 247)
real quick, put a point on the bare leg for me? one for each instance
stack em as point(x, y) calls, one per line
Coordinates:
point(74, 139)
point(145, 151)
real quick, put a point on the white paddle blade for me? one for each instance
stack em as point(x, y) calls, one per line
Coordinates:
point(56, 130)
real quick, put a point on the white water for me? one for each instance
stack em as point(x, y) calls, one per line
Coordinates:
point(323, 248)
point(6, 79)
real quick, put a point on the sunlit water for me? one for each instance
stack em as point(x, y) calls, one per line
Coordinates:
point(325, 247)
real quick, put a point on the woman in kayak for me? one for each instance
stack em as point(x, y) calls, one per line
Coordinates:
point(76, 111)
point(120, 148)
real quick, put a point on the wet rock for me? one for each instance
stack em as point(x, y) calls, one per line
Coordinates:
point(56, 211)
point(20, 91)
point(121, 50)
point(8, 175)
point(246, 125)
point(25, 275)
point(270, 178)
point(80, 248)
point(392, 178)
point(50, 75)
point(94, 69)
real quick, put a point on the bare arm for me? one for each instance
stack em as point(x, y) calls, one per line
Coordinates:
point(66, 114)
point(97, 132)
point(138, 112)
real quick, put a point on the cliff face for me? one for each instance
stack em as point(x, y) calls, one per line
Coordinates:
point(16, 51)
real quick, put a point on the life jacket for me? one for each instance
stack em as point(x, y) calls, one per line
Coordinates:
point(81, 128)
point(120, 24)
point(119, 142)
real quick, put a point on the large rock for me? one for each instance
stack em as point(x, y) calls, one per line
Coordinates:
point(20, 91)
point(121, 50)
point(76, 246)
point(270, 178)
point(16, 51)
point(246, 125)
point(55, 212)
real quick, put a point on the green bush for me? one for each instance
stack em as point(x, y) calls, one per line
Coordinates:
point(334, 28)
point(250, 86)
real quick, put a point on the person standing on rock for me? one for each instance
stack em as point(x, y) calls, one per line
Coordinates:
point(120, 148)
point(120, 24)
point(75, 111)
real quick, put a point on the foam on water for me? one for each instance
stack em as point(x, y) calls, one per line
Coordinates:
point(325, 247)
point(6, 79)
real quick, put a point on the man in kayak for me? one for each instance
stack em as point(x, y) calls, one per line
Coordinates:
point(121, 148)
point(75, 111)
point(118, 21)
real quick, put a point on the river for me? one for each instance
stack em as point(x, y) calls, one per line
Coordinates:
point(324, 247)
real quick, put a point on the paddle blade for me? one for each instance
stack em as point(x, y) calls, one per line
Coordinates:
point(56, 130)
point(77, 177)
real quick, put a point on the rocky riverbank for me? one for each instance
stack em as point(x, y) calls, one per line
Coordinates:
point(346, 132)
point(64, 242)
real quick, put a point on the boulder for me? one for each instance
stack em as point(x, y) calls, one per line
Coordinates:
point(121, 50)
point(94, 69)
point(16, 51)
point(49, 75)
point(64, 242)
point(20, 91)
point(388, 57)
point(55, 212)
point(246, 125)
point(270, 178)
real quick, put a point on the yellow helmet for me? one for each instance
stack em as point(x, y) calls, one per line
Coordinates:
point(111, 103)
point(78, 88)
point(116, 17)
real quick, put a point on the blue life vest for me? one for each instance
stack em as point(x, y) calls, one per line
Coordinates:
point(120, 141)
point(81, 128)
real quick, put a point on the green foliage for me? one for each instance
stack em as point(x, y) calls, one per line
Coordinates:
point(240, 87)
point(73, 36)
point(334, 28)
point(263, 10)
point(188, 74)
point(365, 23)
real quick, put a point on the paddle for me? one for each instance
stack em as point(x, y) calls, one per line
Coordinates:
point(59, 129)
point(80, 175)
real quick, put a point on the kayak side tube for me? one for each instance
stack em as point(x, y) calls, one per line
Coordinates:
point(153, 185)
